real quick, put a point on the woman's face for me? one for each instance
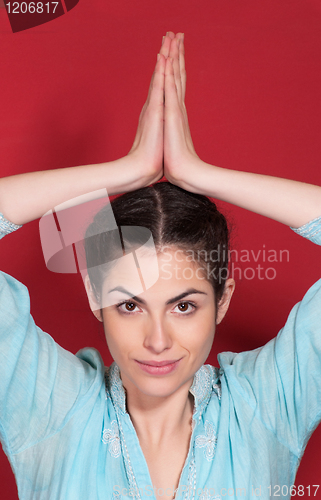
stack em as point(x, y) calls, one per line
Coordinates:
point(172, 321)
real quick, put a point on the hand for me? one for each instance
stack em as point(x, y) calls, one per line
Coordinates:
point(180, 157)
point(147, 150)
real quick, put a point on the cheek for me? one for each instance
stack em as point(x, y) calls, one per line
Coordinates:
point(120, 334)
point(198, 334)
point(202, 342)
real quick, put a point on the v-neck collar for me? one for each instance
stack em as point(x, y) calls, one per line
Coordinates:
point(204, 380)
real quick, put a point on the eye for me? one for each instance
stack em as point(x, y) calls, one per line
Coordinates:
point(184, 307)
point(128, 307)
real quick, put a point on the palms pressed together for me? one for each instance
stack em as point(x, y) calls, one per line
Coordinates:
point(163, 142)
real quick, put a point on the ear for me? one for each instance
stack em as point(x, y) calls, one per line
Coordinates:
point(94, 306)
point(224, 303)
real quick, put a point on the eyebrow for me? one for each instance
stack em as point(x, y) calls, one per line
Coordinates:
point(190, 291)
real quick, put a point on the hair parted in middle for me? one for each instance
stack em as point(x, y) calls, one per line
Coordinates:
point(176, 218)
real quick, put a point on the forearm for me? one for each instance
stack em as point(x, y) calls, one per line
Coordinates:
point(290, 202)
point(25, 197)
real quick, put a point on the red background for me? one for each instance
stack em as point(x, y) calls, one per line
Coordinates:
point(71, 93)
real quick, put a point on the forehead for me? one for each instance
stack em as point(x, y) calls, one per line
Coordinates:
point(165, 273)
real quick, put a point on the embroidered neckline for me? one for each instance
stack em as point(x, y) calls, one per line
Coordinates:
point(205, 380)
point(206, 384)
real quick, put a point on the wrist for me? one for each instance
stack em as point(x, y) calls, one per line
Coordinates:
point(186, 174)
point(203, 179)
point(147, 168)
point(130, 173)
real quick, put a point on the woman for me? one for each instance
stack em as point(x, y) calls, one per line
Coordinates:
point(159, 422)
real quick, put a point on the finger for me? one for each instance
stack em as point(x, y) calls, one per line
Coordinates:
point(165, 46)
point(171, 97)
point(151, 85)
point(181, 59)
point(156, 96)
point(159, 64)
point(174, 54)
point(182, 66)
point(171, 34)
point(166, 43)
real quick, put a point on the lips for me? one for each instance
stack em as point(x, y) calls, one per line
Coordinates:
point(158, 368)
point(158, 363)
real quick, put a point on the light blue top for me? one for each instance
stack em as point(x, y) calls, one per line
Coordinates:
point(66, 432)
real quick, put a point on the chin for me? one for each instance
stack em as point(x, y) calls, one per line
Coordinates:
point(161, 392)
point(159, 386)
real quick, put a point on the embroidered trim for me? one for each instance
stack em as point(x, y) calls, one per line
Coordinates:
point(309, 230)
point(202, 385)
point(217, 391)
point(208, 442)
point(111, 437)
point(116, 388)
point(191, 479)
point(204, 382)
point(129, 469)
point(206, 496)
point(6, 226)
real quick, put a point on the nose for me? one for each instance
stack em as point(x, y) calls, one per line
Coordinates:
point(157, 335)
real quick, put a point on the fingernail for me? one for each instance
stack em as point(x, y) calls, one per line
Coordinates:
point(163, 40)
point(158, 57)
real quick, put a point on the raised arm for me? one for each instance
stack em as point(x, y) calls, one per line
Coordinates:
point(290, 202)
point(26, 197)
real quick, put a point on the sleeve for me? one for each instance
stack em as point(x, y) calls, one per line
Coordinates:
point(281, 381)
point(6, 226)
point(42, 385)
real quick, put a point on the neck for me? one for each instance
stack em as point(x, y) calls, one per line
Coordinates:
point(160, 419)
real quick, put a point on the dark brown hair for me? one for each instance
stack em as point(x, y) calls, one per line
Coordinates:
point(177, 218)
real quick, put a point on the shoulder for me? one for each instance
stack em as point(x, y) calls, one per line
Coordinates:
point(207, 380)
point(92, 358)
point(7, 281)
point(14, 303)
